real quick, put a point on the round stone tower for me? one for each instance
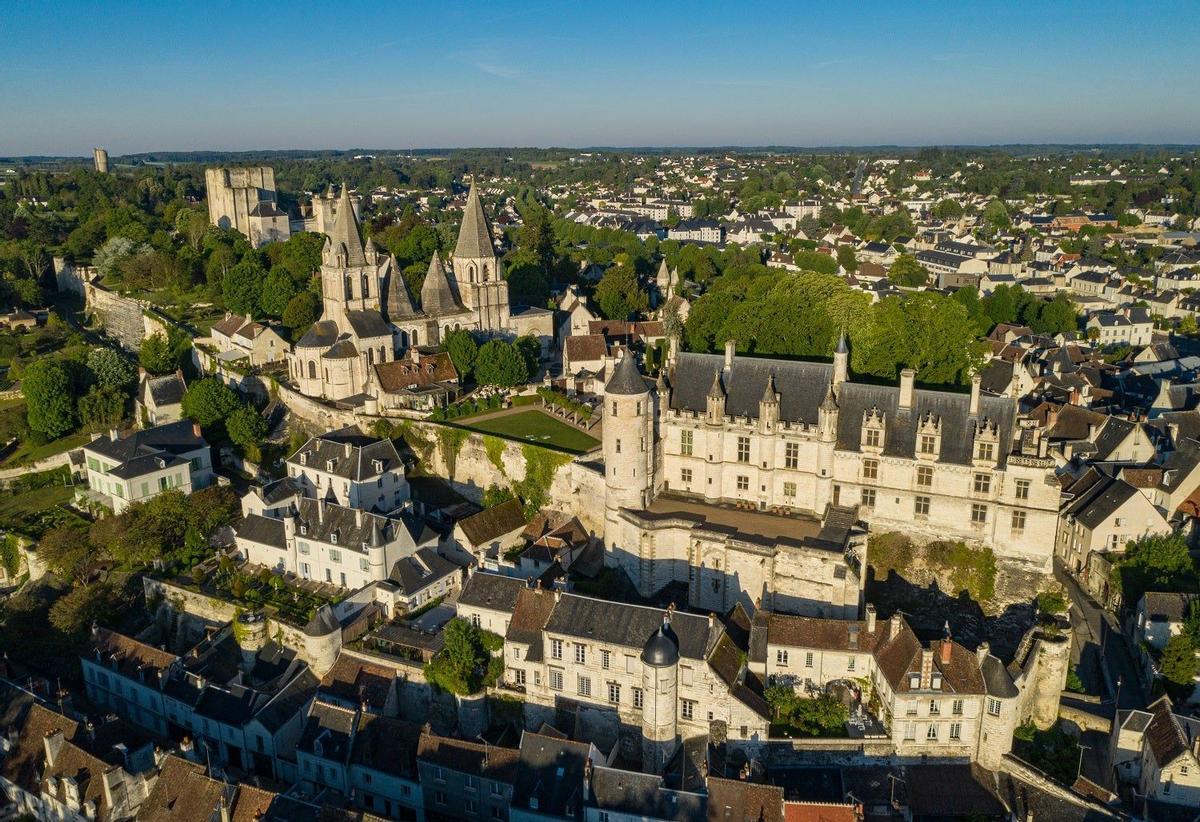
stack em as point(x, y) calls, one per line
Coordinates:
point(660, 678)
point(628, 435)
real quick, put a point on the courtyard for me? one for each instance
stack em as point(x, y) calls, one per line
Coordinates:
point(534, 426)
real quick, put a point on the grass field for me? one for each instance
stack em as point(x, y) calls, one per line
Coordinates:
point(536, 427)
point(26, 453)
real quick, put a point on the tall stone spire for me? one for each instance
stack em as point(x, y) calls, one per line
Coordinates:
point(475, 236)
point(345, 237)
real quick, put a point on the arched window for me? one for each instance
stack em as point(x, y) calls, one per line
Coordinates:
point(349, 287)
point(312, 370)
point(413, 338)
point(404, 339)
point(366, 287)
point(382, 354)
point(471, 273)
point(485, 272)
point(370, 357)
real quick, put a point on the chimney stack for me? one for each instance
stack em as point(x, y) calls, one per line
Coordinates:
point(982, 652)
point(894, 626)
point(947, 649)
point(907, 379)
point(196, 429)
point(976, 381)
point(870, 619)
point(730, 350)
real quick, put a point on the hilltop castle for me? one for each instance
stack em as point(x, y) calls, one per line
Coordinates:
point(745, 478)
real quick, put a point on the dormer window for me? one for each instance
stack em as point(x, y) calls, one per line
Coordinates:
point(936, 682)
point(303, 530)
point(987, 442)
point(929, 436)
point(378, 464)
point(333, 538)
point(873, 429)
point(304, 459)
point(329, 465)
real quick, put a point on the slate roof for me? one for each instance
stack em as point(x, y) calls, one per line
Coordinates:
point(629, 626)
point(626, 379)
point(1165, 733)
point(168, 441)
point(802, 386)
point(737, 801)
point(290, 700)
point(343, 349)
point(165, 390)
point(262, 530)
point(1097, 497)
point(328, 731)
point(492, 523)
point(420, 570)
point(1162, 606)
point(550, 771)
point(387, 745)
point(335, 524)
point(396, 303)
point(353, 455)
point(642, 796)
point(129, 657)
point(351, 681)
point(368, 323)
point(475, 235)
point(495, 592)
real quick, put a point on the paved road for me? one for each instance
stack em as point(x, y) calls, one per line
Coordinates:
point(1101, 653)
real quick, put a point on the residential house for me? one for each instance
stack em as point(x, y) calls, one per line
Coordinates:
point(139, 465)
point(1158, 752)
point(465, 780)
point(160, 399)
point(486, 537)
point(242, 338)
point(350, 469)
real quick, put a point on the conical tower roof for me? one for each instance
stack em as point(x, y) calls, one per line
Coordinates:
point(769, 394)
point(437, 293)
point(475, 236)
point(717, 391)
point(345, 231)
point(843, 347)
point(397, 302)
point(626, 378)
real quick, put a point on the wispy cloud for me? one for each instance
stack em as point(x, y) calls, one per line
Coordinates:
point(504, 72)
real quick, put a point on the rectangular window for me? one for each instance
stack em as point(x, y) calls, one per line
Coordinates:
point(618, 446)
point(614, 693)
point(851, 662)
point(580, 654)
point(555, 679)
point(585, 686)
point(924, 477)
point(921, 506)
point(335, 556)
point(743, 483)
point(685, 443)
point(302, 547)
point(519, 677)
point(781, 658)
point(808, 659)
point(685, 476)
point(932, 733)
point(791, 455)
point(993, 706)
point(983, 483)
point(1018, 521)
point(439, 797)
point(638, 697)
point(956, 707)
point(868, 498)
point(910, 732)
point(987, 451)
point(955, 731)
point(789, 490)
point(871, 437)
point(556, 649)
point(743, 449)
point(928, 444)
point(870, 469)
point(605, 658)
point(687, 708)
point(935, 707)
point(978, 513)
point(1023, 489)
point(364, 565)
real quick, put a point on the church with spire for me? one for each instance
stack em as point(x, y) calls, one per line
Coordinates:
point(370, 321)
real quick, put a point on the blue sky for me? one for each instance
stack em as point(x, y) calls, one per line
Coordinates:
point(258, 75)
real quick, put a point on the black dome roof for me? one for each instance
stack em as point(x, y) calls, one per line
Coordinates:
point(662, 648)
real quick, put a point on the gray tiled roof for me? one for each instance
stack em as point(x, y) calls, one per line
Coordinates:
point(422, 569)
point(629, 626)
point(322, 334)
point(368, 323)
point(357, 465)
point(345, 231)
point(475, 235)
point(438, 294)
point(626, 378)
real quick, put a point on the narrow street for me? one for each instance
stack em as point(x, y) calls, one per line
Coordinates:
point(1101, 653)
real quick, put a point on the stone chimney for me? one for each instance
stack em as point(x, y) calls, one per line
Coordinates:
point(358, 514)
point(894, 626)
point(349, 448)
point(982, 652)
point(730, 350)
point(907, 379)
point(114, 434)
point(947, 649)
point(870, 619)
point(976, 382)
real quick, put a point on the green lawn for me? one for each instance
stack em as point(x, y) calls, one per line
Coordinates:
point(34, 512)
point(26, 453)
point(536, 427)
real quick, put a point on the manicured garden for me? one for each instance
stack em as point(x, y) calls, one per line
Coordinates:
point(537, 427)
